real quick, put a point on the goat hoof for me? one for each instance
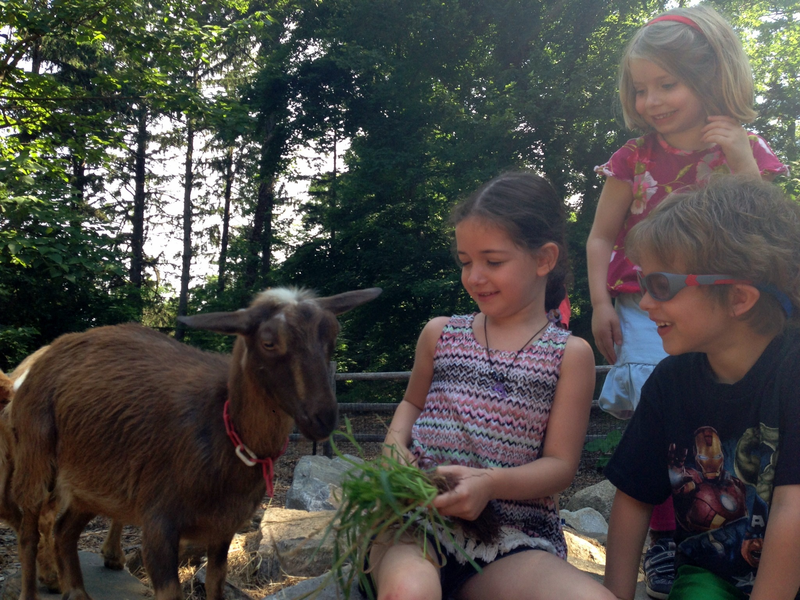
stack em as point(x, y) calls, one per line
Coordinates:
point(113, 562)
point(50, 582)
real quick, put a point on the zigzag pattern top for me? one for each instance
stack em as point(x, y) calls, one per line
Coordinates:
point(466, 422)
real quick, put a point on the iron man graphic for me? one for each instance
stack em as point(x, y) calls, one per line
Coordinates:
point(706, 497)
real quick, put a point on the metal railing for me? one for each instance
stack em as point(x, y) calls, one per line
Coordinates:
point(360, 408)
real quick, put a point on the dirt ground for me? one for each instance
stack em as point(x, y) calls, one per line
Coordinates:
point(93, 536)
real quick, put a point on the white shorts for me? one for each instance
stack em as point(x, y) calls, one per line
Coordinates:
point(640, 352)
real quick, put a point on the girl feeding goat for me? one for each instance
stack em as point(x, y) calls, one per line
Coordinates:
point(484, 390)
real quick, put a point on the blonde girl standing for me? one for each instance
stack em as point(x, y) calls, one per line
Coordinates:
point(499, 400)
point(686, 82)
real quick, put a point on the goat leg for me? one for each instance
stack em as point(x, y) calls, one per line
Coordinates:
point(68, 529)
point(217, 570)
point(46, 557)
point(113, 556)
point(160, 544)
point(28, 548)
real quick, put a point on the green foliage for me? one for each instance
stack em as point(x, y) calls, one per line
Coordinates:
point(58, 270)
point(15, 344)
point(605, 446)
point(383, 496)
point(511, 87)
point(421, 101)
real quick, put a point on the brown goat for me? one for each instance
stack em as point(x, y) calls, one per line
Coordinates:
point(9, 510)
point(6, 389)
point(127, 422)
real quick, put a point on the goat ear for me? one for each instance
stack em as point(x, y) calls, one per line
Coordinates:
point(229, 323)
point(341, 303)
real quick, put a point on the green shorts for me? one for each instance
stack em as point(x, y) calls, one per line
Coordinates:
point(694, 583)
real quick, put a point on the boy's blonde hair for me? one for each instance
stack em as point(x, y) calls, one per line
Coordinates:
point(736, 226)
point(712, 64)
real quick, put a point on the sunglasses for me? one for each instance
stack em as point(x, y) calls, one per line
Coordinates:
point(664, 286)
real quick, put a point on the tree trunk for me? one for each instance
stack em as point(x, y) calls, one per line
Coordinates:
point(187, 228)
point(266, 237)
point(137, 237)
point(260, 242)
point(226, 217)
point(78, 179)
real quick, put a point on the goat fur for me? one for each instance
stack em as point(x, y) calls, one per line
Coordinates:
point(126, 422)
point(10, 512)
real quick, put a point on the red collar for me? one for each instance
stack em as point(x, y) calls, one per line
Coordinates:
point(247, 456)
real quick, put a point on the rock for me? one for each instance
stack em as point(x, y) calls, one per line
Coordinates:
point(598, 496)
point(585, 549)
point(101, 583)
point(290, 543)
point(317, 483)
point(586, 521)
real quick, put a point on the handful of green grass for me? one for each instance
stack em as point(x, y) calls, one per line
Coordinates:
point(380, 496)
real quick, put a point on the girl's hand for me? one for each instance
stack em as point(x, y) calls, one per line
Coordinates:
point(606, 331)
point(400, 453)
point(470, 495)
point(732, 138)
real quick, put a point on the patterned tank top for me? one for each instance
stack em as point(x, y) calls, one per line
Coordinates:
point(466, 421)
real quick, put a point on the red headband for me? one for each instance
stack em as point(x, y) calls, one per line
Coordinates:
point(679, 19)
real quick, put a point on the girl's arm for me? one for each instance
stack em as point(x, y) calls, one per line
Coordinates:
point(555, 470)
point(732, 138)
point(399, 434)
point(778, 576)
point(627, 529)
point(612, 209)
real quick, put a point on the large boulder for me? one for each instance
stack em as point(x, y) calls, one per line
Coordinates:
point(290, 544)
point(586, 521)
point(585, 553)
point(599, 497)
point(317, 483)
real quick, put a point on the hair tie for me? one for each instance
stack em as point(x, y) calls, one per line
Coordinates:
point(677, 18)
point(554, 317)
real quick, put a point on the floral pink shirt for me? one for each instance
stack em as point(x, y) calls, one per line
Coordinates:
point(655, 169)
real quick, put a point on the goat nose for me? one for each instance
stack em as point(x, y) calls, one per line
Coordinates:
point(317, 421)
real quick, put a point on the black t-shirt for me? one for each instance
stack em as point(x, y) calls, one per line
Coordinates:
point(718, 449)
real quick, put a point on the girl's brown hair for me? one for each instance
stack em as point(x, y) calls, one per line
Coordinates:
point(711, 62)
point(530, 210)
point(736, 226)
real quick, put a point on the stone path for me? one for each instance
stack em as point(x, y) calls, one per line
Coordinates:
point(101, 583)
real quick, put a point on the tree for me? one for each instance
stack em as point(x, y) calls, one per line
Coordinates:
point(511, 86)
point(771, 33)
point(58, 271)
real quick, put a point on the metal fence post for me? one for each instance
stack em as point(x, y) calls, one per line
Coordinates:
point(326, 445)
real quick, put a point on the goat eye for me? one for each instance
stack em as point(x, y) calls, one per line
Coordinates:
point(268, 345)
